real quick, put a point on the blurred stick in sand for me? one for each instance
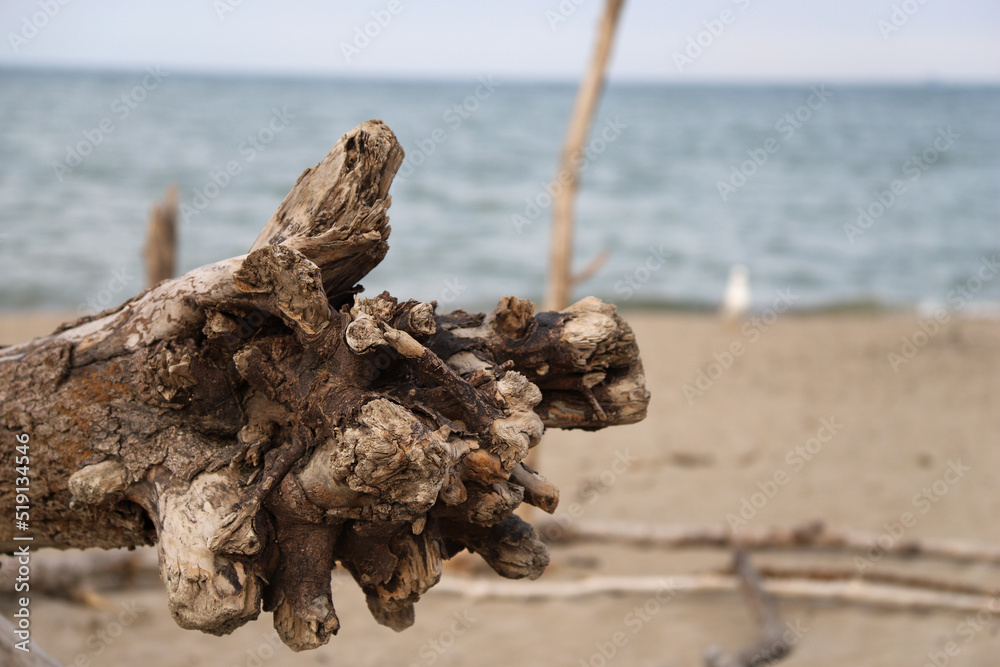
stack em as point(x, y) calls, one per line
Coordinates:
point(560, 280)
point(54, 572)
point(774, 642)
point(160, 252)
point(844, 591)
point(814, 535)
point(78, 575)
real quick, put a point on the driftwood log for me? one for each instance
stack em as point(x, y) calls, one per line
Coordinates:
point(261, 422)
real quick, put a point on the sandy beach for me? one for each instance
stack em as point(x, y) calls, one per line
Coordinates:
point(856, 419)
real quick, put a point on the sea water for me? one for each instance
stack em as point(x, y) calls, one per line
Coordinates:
point(833, 196)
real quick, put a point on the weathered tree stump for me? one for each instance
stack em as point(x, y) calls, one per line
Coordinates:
point(261, 422)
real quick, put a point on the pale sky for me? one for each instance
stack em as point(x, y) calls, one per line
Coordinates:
point(741, 40)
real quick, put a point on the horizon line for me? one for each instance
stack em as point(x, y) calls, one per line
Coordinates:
point(525, 78)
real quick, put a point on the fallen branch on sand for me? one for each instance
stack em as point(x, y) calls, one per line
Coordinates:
point(774, 642)
point(811, 536)
point(56, 574)
point(78, 576)
point(844, 591)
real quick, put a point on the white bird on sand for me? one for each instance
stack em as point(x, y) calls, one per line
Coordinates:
point(736, 301)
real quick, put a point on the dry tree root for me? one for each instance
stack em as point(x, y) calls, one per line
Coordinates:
point(262, 423)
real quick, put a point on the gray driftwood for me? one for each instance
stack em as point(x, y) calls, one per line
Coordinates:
point(261, 422)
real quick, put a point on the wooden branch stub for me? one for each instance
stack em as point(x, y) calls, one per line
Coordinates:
point(511, 547)
point(584, 360)
point(206, 591)
point(95, 483)
point(293, 284)
point(336, 213)
point(538, 491)
point(160, 251)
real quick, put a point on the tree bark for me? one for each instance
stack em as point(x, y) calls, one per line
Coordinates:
point(261, 423)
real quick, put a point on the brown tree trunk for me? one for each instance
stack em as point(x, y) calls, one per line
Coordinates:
point(261, 423)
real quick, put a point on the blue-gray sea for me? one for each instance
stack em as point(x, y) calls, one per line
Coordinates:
point(838, 196)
